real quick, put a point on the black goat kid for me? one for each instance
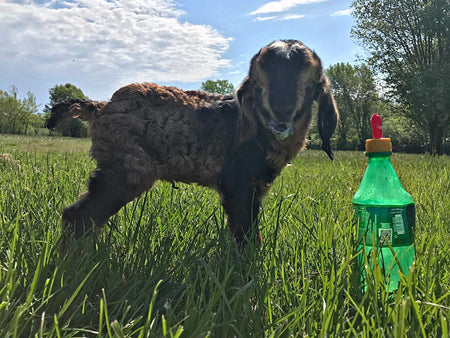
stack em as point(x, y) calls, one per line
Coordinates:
point(236, 144)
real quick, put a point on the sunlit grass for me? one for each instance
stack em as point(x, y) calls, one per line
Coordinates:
point(12, 143)
point(166, 266)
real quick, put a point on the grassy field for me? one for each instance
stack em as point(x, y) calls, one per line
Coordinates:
point(165, 265)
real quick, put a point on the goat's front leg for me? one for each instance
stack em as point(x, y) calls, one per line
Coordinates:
point(241, 202)
point(243, 183)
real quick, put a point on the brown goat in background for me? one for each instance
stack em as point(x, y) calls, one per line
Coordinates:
point(236, 144)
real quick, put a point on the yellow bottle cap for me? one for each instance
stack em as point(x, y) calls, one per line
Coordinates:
point(378, 145)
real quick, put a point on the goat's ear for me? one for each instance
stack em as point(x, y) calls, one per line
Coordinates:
point(246, 120)
point(328, 114)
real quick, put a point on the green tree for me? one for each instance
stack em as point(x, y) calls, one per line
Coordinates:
point(16, 115)
point(356, 96)
point(223, 87)
point(405, 134)
point(408, 41)
point(60, 93)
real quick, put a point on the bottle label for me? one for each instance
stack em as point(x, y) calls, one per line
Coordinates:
point(393, 225)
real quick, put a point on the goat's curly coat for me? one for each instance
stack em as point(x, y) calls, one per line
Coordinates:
point(236, 144)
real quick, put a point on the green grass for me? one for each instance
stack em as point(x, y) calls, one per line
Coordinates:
point(165, 265)
point(12, 143)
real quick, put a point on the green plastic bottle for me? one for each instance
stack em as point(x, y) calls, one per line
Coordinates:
point(384, 211)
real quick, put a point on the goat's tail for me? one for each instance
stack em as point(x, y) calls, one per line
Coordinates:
point(82, 109)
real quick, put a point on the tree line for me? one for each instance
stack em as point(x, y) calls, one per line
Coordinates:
point(408, 44)
point(405, 77)
point(18, 116)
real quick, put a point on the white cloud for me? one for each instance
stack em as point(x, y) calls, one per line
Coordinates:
point(292, 17)
point(107, 43)
point(344, 12)
point(279, 17)
point(265, 18)
point(282, 6)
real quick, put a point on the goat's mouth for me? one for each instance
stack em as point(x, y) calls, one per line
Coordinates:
point(281, 130)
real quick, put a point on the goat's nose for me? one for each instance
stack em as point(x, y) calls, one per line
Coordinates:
point(283, 111)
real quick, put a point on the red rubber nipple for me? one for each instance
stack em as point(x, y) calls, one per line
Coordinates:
point(375, 122)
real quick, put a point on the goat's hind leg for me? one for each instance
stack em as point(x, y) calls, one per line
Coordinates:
point(108, 191)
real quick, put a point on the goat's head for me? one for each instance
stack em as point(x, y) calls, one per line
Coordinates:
point(285, 78)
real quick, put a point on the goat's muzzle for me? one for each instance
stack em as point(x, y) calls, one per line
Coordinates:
point(281, 130)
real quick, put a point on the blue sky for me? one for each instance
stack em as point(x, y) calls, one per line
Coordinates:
point(101, 45)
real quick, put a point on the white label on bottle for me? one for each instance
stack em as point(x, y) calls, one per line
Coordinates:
point(399, 224)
